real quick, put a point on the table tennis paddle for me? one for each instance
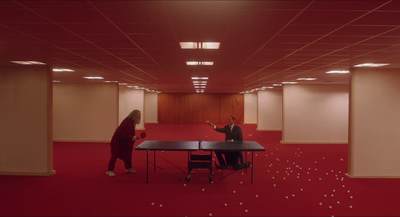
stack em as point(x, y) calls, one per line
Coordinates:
point(143, 135)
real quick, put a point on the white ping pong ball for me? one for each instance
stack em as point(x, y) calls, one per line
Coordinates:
point(246, 210)
point(152, 203)
point(240, 203)
point(225, 204)
point(210, 214)
point(256, 195)
point(320, 204)
point(330, 207)
point(234, 192)
point(160, 205)
point(350, 206)
point(203, 189)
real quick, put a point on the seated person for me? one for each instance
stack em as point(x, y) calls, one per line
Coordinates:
point(232, 133)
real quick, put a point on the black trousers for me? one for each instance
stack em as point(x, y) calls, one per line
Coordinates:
point(231, 158)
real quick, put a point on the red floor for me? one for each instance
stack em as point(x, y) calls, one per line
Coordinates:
point(289, 180)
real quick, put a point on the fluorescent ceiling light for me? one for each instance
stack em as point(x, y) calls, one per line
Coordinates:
point(63, 70)
point(289, 82)
point(28, 62)
point(371, 65)
point(306, 79)
point(199, 82)
point(123, 83)
point(55, 81)
point(199, 78)
point(207, 63)
point(188, 45)
point(196, 63)
point(263, 88)
point(210, 45)
point(199, 45)
point(94, 77)
point(110, 81)
point(338, 72)
point(192, 63)
point(277, 85)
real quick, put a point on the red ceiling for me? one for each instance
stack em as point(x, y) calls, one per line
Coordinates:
point(262, 42)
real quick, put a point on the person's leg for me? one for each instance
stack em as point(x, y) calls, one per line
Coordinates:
point(221, 160)
point(128, 164)
point(111, 163)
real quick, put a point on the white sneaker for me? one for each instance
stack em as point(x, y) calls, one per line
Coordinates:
point(130, 170)
point(110, 173)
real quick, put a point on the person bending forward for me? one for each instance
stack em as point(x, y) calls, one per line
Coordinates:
point(122, 143)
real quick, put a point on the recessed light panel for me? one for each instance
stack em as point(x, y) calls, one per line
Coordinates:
point(28, 62)
point(306, 79)
point(63, 70)
point(338, 72)
point(199, 45)
point(371, 65)
point(199, 78)
point(94, 77)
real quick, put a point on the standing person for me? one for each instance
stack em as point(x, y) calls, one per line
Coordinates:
point(122, 143)
point(232, 133)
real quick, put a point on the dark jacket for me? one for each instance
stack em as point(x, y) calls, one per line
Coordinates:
point(236, 133)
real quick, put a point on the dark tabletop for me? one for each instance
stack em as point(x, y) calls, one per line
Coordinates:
point(169, 145)
point(231, 146)
point(205, 145)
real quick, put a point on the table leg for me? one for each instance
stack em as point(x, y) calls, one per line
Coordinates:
point(147, 166)
point(245, 161)
point(252, 165)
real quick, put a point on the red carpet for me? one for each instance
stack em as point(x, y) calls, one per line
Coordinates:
point(289, 180)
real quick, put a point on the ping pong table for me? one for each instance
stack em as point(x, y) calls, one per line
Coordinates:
point(189, 146)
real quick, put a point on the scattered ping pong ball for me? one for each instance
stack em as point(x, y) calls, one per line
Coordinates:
point(241, 182)
point(348, 191)
point(332, 195)
point(350, 206)
point(330, 207)
point(210, 214)
point(287, 197)
point(160, 205)
point(203, 189)
point(338, 202)
point(325, 195)
point(334, 190)
point(320, 204)
point(246, 210)
point(234, 192)
point(152, 203)
point(240, 203)
point(274, 185)
point(341, 159)
point(256, 195)
point(301, 189)
point(184, 185)
point(293, 195)
point(225, 204)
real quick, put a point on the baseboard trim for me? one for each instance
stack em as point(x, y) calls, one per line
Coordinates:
point(86, 141)
point(22, 173)
point(258, 129)
point(372, 176)
point(320, 142)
